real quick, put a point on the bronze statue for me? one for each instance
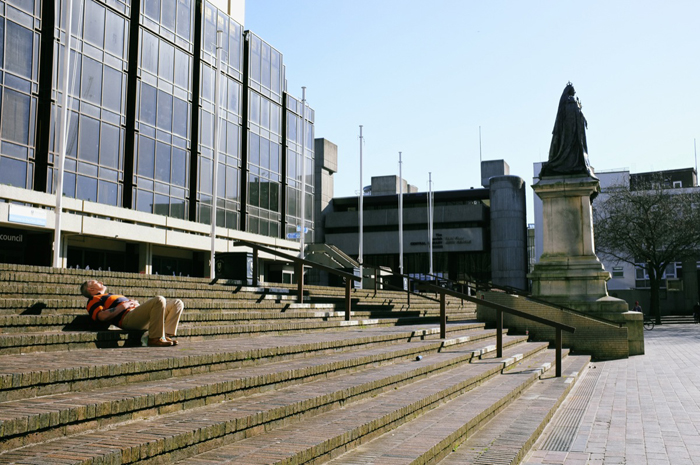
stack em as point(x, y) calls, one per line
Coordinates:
point(568, 153)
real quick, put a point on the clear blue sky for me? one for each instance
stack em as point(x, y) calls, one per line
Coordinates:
point(423, 76)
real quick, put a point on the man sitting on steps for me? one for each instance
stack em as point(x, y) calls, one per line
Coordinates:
point(157, 315)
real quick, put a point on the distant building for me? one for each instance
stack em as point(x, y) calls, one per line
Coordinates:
point(478, 234)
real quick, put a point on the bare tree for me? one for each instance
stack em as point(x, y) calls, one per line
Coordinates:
point(649, 226)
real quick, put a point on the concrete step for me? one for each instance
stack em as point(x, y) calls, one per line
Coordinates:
point(179, 435)
point(510, 435)
point(329, 434)
point(30, 420)
point(38, 374)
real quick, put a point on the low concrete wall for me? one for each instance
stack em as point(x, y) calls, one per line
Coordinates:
point(603, 341)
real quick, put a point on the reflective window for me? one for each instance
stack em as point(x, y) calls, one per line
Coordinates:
point(96, 131)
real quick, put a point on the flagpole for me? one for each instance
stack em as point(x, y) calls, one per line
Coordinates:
point(215, 168)
point(359, 256)
point(57, 261)
point(302, 232)
point(400, 217)
point(430, 221)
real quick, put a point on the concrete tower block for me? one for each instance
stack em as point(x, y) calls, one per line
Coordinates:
point(508, 231)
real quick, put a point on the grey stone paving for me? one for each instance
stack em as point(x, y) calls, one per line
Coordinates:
point(643, 410)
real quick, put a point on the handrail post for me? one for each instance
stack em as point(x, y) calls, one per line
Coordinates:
point(558, 349)
point(348, 302)
point(375, 280)
point(408, 292)
point(499, 333)
point(255, 266)
point(300, 282)
point(443, 317)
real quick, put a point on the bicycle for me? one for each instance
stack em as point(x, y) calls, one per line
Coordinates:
point(649, 323)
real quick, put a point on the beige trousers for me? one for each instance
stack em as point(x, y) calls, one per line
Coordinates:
point(157, 315)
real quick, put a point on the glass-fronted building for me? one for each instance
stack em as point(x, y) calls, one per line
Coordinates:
point(141, 116)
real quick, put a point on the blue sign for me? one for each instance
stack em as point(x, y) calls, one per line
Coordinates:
point(295, 235)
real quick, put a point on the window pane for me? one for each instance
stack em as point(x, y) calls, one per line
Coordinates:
point(146, 154)
point(152, 9)
point(264, 193)
point(265, 113)
point(114, 32)
point(205, 132)
point(89, 140)
point(112, 99)
point(231, 184)
point(149, 52)
point(144, 201)
point(232, 139)
point(274, 157)
point(162, 162)
point(254, 149)
point(254, 190)
point(184, 18)
point(265, 62)
point(275, 78)
point(94, 23)
point(161, 205)
point(205, 178)
point(274, 196)
point(91, 88)
point(15, 116)
point(168, 17)
point(148, 104)
point(234, 90)
point(109, 146)
point(108, 193)
point(13, 172)
point(19, 50)
point(87, 188)
point(166, 59)
point(254, 107)
point(72, 143)
point(180, 114)
point(182, 69)
point(264, 153)
point(179, 167)
point(165, 110)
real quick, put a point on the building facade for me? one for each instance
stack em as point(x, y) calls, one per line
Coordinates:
point(140, 130)
point(478, 235)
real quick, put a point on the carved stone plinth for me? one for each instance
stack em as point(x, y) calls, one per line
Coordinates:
point(569, 272)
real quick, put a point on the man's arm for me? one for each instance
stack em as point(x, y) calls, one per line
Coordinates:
point(109, 313)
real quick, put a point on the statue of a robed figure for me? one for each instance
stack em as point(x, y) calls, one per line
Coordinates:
point(568, 272)
point(568, 153)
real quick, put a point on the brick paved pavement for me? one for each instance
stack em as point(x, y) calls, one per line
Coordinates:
point(641, 410)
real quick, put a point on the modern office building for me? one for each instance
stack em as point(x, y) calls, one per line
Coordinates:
point(477, 234)
point(140, 145)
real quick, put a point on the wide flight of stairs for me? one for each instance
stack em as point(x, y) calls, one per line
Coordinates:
point(261, 378)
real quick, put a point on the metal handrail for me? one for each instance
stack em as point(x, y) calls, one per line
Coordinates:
point(299, 264)
point(500, 309)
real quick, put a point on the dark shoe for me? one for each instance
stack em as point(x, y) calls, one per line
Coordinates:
point(158, 342)
point(168, 337)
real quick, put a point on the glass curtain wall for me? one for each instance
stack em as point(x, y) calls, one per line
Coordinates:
point(294, 170)
point(19, 74)
point(94, 164)
point(265, 81)
point(229, 171)
point(164, 99)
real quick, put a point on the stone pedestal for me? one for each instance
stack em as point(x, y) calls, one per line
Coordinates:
point(569, 272)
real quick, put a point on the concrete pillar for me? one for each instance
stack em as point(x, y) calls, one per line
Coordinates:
point(508, 231)
point(145, 258)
